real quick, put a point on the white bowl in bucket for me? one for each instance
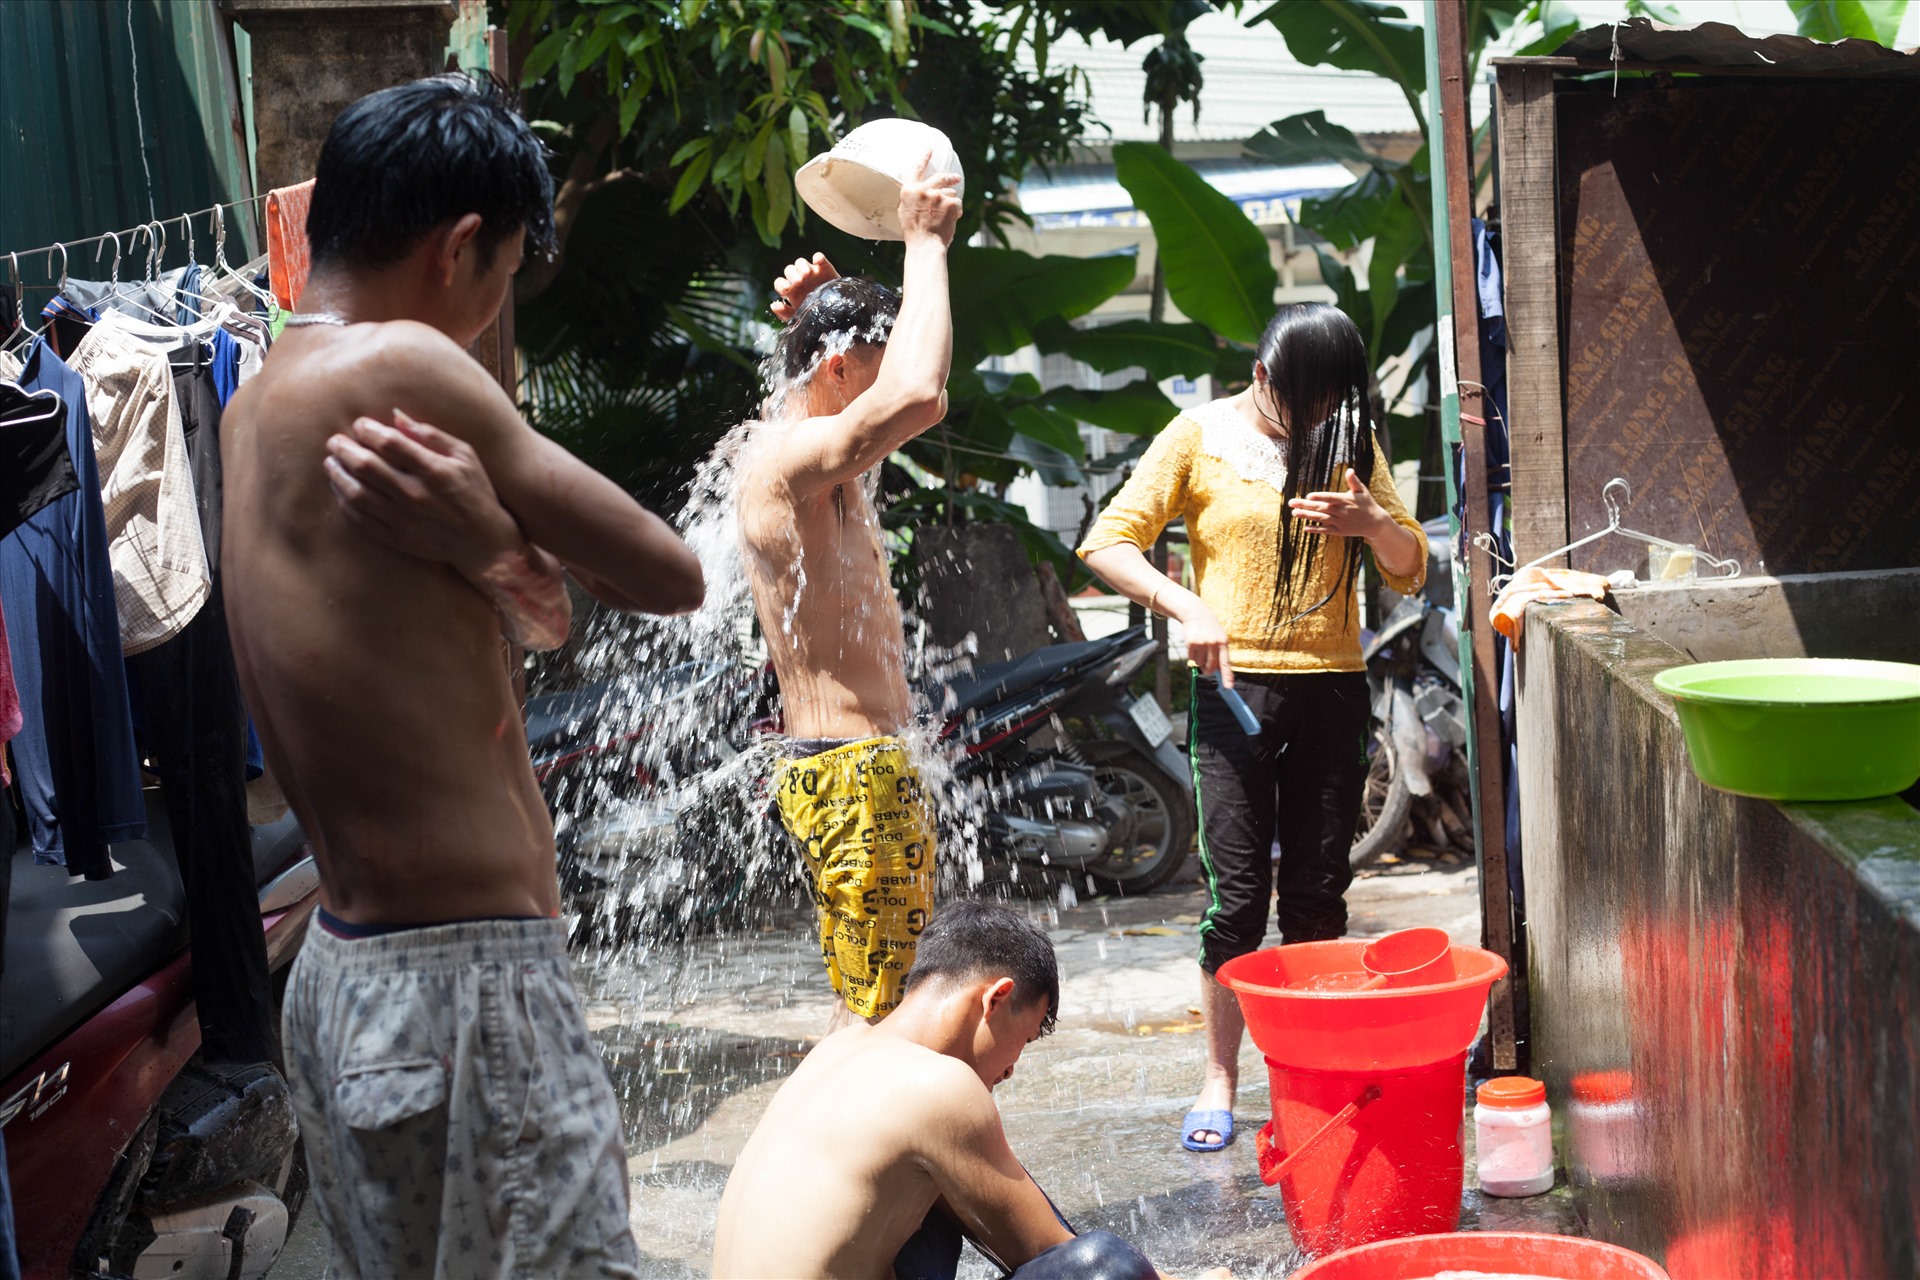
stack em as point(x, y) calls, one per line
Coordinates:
point(856, 186)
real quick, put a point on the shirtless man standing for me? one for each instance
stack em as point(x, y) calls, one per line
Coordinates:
point(863, 371)
point(457, 1117)
point(893, 1195)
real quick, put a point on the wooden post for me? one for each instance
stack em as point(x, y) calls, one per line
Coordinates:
point(1490, 797)
point(1528, 226)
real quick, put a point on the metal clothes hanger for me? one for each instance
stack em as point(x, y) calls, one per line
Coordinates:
point(23, 335)
point(1484, 541)
point(220, 263)
point(19, 294)
point(113, 285)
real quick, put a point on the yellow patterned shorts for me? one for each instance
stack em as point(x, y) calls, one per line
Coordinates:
point(859, 815)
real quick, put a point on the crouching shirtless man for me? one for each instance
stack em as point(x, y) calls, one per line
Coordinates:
point(457, 1117)
point(894, 1195)
point(859, 372)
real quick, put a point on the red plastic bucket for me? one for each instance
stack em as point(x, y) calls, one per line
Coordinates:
point(1365, 1156)
point(1508, 1252)
point(1369, 1088)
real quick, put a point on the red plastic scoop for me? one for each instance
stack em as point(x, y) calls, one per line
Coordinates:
point(1408, 958)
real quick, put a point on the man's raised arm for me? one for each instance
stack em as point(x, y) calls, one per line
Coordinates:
point(909, 394)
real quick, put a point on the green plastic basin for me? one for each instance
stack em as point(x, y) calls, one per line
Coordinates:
point(1800, 728)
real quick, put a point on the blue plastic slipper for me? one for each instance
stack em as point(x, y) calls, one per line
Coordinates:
point(1220, 1122)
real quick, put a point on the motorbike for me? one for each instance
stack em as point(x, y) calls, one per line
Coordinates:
point(1077, 779)
point(1081, 778)
point(129, 1157)
point(1416, 775)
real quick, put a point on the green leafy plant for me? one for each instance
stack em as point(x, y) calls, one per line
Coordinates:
point(1876, 20)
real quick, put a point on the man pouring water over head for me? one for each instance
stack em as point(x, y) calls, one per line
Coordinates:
point(858, 372)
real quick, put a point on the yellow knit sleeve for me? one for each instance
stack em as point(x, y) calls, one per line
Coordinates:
point(1153, 497)
point(1388, 496)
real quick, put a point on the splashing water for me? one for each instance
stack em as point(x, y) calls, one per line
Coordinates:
point(668, 836)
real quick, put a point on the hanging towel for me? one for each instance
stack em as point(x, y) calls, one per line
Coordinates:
point(287, 258)
point(1535, 584)
point(160, 572)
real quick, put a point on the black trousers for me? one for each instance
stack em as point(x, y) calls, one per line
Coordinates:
point(195, 733)
point(1300, 779)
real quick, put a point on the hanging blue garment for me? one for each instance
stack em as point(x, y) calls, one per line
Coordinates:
point(226, 365)
point(189, 309)
point(226, 381)
point(79, 776)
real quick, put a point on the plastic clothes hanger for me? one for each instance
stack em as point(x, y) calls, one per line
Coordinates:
point(48, 397)
point(1727, 568)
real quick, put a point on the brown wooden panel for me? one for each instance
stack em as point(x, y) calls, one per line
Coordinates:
point(1533, 333)
point(1741, 266)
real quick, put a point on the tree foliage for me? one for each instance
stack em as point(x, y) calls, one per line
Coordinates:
point(676, 126)
point(1390, 203)
point(1876, 20)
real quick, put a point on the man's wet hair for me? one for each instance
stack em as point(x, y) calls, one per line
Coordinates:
point(850, 305)
point(399, 162)
point(968, 939)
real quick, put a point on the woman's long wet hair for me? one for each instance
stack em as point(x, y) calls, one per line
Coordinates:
point(1317, 373)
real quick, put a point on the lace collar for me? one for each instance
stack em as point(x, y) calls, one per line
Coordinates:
point(1254, 456)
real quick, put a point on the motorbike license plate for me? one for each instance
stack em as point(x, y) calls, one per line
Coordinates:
point(1150, 719)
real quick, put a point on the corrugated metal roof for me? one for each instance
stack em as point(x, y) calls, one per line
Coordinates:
point(1715, 44)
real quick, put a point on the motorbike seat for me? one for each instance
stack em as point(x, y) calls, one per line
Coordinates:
point(552, 717)
point(74, 946)
point(997, 680)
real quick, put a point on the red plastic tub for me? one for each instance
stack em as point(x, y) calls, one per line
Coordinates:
point(1387, 1029)
point(1500, 1252)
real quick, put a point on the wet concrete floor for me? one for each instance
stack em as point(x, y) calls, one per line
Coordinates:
point(1093, 1110)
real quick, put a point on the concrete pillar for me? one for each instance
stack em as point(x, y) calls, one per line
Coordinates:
point(313, 57)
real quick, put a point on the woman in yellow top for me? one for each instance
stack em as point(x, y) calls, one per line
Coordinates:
point(1280, 486)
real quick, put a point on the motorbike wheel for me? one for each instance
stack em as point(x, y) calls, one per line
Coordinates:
point(1384, 802)
point(1150, 846)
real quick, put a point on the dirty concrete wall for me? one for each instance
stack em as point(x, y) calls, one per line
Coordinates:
point(1815, 615)
point(1732, 986)
point(313, 57)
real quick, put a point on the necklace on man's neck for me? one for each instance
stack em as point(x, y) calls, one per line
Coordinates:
point(317, 317)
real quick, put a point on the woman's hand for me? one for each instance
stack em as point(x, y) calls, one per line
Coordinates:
point(801, 278)
point(1348, 513)
point(1206, 641)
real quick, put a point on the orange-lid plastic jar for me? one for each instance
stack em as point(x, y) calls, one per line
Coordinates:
point(1512, 1093)
point(1513, 1133)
